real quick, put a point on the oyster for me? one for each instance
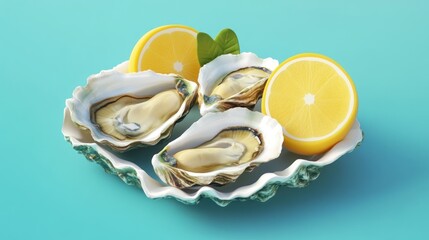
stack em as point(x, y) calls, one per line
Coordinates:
point(237, 140)
point(124, 111)
point(233, 81)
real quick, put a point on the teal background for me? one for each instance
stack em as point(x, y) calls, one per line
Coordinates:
point(380, 191)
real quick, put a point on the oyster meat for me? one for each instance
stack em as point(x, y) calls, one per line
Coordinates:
point(237, 140)
point(232, 146)
point(124, 111)
point(129, 117)
point(233, 81)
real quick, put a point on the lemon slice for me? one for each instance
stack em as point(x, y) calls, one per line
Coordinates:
point(315, 101)
point(167, 49)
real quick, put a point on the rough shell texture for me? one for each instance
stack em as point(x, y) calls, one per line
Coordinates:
point(221, 66)
point(299, 173)
point(113, 83)
point(269, 129)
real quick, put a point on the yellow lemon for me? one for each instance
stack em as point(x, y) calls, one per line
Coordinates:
point(167, 49)
point(315, 101)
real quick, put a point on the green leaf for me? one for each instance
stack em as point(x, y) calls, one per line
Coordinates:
point(228, 41)
point(208, 49)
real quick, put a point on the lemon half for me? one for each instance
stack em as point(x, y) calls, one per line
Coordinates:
point(167, 49)
point(315, 101)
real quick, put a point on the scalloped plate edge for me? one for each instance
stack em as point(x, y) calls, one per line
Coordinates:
point(299, 174)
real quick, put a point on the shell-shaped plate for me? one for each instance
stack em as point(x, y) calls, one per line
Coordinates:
point(288, 170)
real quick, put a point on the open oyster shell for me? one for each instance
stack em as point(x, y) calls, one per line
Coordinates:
point(112, 86)
point(227, 69)
point(267, 129)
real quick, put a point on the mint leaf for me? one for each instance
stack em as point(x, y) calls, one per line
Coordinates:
point(228, 41)
point(208, 49)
